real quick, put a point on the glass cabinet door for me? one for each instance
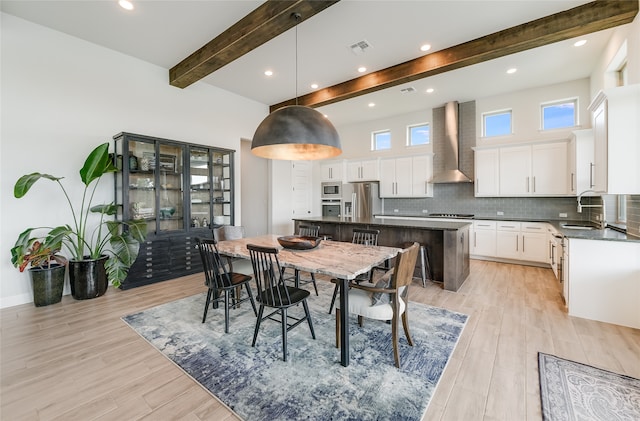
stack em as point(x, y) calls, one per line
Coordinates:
point(170, 195)
point(222, 188)
point(142, 182)
point(200, 187)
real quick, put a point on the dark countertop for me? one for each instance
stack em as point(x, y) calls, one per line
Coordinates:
point(428, 225)
point(607, 234)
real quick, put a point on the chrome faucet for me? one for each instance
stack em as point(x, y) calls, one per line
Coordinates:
point(580, 205)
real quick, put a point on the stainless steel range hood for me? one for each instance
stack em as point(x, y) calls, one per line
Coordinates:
point(451, 151)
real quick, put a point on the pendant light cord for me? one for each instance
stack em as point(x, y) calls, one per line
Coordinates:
point(296, 16)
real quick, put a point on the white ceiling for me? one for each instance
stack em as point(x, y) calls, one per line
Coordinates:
point(165, 32)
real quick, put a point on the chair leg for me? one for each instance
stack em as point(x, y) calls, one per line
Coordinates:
point(423, 267)
point(313, 279)
point(335, 295)
point(253, 303)
point(227, 297)
point(394, 339)
point(258, 320)
point(283, 312)
point(306, 311)
point(405, 325)
point(338, 328)
point(206, 305)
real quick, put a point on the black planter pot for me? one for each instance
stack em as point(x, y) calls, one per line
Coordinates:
point(48, 283)
point(88, 278)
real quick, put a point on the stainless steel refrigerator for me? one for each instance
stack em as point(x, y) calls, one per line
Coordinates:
point(365, 200)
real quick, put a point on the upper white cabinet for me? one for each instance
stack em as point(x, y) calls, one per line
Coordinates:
point(332, 171)
point(538, 169)
point(406, 176)
point(366, 170)
point(486, 168)
point(616, 132)
point(580, 158)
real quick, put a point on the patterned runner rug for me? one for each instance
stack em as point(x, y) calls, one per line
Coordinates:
point(312, 385)
point(575, 391)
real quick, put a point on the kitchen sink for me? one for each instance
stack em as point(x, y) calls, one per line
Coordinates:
point(578, 227)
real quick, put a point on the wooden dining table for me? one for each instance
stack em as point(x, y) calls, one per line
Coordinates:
point(337, 259)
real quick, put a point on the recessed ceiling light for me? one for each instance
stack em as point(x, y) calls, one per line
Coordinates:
point(425, 47)
point(314, 86)
point(362, 69)
point(268, 73)
point(372, 104)
point(512, 71)
point(125, 4)
point(580, 43)
point(430, 90)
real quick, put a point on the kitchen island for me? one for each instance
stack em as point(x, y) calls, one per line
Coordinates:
point(446, 243)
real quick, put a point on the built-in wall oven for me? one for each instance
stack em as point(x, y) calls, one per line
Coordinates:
point(331, 207)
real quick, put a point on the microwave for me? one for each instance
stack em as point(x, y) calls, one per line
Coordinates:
point(331, 191)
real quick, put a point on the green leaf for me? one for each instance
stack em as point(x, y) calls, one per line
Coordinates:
point(97, 164)
point(107, 209)
point(137, 229)
point(25, 182)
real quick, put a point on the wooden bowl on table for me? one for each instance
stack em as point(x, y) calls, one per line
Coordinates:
point(299, 242)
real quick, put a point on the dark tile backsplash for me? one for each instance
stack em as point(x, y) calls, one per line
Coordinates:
point(459, 198)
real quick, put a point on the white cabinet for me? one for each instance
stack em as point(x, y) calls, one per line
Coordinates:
point(406, 176)
point(522, 241)
point(515, 171)
point(366, 170)
point(580, 158)
point(486, 172)
point(483, 238)
point(549, 169)
point(533, 170)
point(616, 129)
point(331, 171)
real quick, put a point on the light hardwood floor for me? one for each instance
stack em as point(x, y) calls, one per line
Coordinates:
point(78, 361)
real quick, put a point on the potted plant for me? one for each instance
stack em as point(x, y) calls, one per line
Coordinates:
point(92, 264)
point(47, 267)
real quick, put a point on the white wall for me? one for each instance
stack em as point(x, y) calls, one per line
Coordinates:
point(62, 96)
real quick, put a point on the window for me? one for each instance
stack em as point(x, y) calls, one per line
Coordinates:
point(381, 140)
point(496, 123)
point(418, 134)
point(559, 114)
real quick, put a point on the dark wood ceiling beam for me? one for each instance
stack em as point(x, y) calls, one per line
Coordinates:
point(266, 22)
point(581, 20)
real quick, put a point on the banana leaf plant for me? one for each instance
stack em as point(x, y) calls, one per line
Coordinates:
point(84, 240)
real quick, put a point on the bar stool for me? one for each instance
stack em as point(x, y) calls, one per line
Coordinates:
point(425, 267)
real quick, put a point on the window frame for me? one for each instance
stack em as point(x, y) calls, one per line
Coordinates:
point(416, 125)
point(374, 134)
point(576, 116)
point(493, 113)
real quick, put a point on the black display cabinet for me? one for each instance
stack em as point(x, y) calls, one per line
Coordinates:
point(181, 190)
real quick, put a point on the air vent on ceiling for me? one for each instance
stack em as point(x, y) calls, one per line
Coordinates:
point(360, 47)
point(408, 90)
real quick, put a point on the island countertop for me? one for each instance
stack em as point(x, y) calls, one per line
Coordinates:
point(390, 222)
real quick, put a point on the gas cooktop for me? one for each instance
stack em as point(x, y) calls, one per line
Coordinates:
point(451, 215)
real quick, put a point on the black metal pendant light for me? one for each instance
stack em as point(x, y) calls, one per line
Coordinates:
point(296, 132)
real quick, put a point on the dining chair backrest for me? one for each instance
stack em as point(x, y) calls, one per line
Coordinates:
point(365, 237)
point(308, 230)
point(404, 267)
point(268, 275)
point(215, 269)
point(229, 232)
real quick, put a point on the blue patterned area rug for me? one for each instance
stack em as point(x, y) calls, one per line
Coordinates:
point(575, 391)
point(312, 385)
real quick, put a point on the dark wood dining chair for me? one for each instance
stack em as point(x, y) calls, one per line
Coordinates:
point(233, 232)
point(309, 231)
point(360, 236)
point(275, 294)
point(224, 285)
point(388, 299)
